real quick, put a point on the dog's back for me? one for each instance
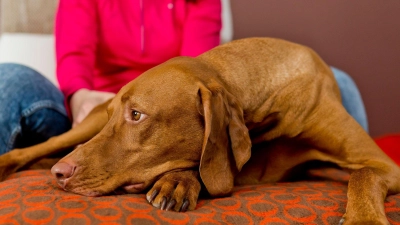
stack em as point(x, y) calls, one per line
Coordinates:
point(291, 105)
point(271, 76)
point(246, 64)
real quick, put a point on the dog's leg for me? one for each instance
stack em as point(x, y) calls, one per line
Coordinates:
point(373, 176)
point(367, 191)
point(368, 188)
point(90, 126)
point(176, 191)
point(341, 140)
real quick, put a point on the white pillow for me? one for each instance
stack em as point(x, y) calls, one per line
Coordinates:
point(227, 24)
point(33, 50)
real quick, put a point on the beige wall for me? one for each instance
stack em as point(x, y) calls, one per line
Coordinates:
point(29, 16)
point(360, 37)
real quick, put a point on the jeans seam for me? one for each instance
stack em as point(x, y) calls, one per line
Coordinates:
point(43, 104)
point(14, 134)
point(29, 111)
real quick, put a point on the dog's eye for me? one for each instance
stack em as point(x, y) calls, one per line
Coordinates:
point(136, 115)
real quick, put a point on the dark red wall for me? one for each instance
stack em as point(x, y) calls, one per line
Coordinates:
point(360, 37)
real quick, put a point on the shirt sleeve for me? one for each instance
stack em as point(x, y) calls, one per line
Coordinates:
point(202, 28)
point(76, 41)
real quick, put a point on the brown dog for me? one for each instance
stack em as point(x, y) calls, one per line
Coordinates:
point(247, 112)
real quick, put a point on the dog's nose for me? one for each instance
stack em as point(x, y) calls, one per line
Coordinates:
point(62, 171)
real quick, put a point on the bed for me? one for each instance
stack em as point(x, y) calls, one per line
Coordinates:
point(33, 197)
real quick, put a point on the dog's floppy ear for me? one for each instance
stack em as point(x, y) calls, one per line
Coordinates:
point(226, 145)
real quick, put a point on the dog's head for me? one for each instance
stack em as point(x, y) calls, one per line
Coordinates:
point(168, 119)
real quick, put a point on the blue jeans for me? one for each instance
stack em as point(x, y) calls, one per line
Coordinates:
point(32, 108)
point(351, 97)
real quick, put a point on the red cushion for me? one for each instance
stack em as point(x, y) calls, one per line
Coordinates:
point(33, 197)
point(390, 144)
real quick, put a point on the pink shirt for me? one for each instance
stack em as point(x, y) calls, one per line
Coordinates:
point(104, 44)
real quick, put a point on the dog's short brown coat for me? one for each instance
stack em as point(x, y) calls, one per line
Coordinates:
point(247, 112)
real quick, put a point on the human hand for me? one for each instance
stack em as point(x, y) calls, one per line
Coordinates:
point(84, 100)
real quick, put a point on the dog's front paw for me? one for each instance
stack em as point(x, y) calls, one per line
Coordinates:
point(364, 220)
point(9, 164)
point(177, 191)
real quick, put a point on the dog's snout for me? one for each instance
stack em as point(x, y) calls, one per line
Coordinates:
point(62, 171)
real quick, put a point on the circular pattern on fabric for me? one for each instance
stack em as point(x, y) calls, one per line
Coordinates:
point(137, 219)
point(9, 222)
point(106, 212)
point(38, 215)
point(36, 198)
point(206, 221)
point(307, 192)
point(323, 203)
point(173, 218)
point(226, 203)
point(9, 210)
point(5, 187)
point(8, 196)
point(299, 213)
point(331, 217)
point(390, 203)
point(35, 186)
point(204, 211)
point(234, 217)
point(71, 205)
point(268, 188)
point(249, 195)
point(393, 215)
point(262, 208)
point(285, 198)
point(105, 201)
point(71, 218)
point(136, 206)
point(274, 221)
point(341, 197)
